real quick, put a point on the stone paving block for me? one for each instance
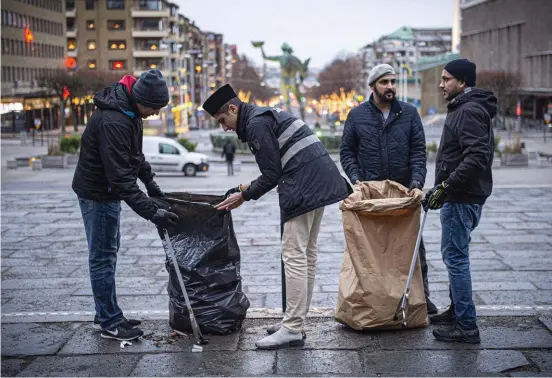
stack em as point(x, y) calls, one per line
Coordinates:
point(37, 262)
point(521, 238)
point(544, 225)
point(529, 263)
point(496, 333)
point(547, 321)
point(31, 339)
point(318, 362)
point(322, 333)
point(26, 272)
point(475, 265)
point(146, 251)
point(206, 364)
point(442, 362)
point(541, 358)
point(44, 283)
point(60, 303)
point(13, 366)
point(508, 285)
point(34, 293)
point(81, 366)
point(521, 298)
point(543, 285)
point(122, 291)
point(157, 339)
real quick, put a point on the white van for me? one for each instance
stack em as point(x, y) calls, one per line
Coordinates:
point(167, 155)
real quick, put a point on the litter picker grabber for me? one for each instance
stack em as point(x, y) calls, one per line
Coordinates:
point(197, 347)
point(403, 303)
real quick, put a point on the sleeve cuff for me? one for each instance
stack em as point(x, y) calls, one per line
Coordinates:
point(246, 195)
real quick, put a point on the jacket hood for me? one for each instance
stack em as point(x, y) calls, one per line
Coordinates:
point(483, 97)
point(118, 97)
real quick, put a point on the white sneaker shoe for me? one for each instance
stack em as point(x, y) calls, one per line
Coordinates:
point(281, 339)
point(274, 327)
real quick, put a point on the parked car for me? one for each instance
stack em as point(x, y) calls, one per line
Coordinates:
point(167, 155)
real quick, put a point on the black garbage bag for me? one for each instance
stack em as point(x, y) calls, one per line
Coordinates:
point(208, 257)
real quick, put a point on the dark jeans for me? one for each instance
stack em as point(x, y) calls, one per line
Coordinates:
point(423, 265)
point(101, 224)
point(458, 220)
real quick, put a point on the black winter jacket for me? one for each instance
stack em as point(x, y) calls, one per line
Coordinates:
point(111, 155)
point(308, 180)
point(466, 150)
point(375, 150)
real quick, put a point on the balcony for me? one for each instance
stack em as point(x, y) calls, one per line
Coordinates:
point(71, 12)
point(72, 53)
point(71, 33)
point(150, 12)
point(144, 52)
point(149, 33)
point(140, 70)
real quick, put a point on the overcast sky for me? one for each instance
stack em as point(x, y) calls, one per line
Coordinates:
point(319, 29)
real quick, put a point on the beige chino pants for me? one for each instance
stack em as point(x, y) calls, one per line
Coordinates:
point(299, 250)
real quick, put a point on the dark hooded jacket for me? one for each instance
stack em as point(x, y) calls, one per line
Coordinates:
point(374, 149)
point(306, 175)
point(111, 157)
point(466, 150)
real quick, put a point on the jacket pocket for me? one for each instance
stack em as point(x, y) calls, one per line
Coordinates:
point(289, 195)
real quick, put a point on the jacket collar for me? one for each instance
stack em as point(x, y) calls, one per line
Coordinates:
point(395, 110)
point(243, 117)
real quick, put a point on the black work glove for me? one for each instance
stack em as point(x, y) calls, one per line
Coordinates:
point(154, 190)
point(231, 191)
point(163, 218)
point(436, 196)
point(415, 184)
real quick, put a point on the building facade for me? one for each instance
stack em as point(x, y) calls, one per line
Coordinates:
point(402, 49)
point(33, 46)
point(515, 37)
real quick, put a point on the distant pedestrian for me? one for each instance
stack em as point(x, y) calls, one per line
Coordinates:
point(228, 152)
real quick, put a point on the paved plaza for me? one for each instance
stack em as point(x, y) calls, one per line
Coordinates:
point(47, 304)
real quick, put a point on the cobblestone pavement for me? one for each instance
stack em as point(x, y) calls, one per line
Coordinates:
point(44, 256)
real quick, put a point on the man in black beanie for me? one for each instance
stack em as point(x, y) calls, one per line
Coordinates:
point(291, 157)
point(110, 162)
point(463, 182)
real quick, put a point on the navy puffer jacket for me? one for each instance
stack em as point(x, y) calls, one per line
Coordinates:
point(374, 150)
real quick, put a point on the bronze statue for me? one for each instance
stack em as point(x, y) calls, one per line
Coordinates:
point(293, 72)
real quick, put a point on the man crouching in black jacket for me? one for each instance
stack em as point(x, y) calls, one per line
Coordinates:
point(291, 156)
point(110, 161)
point(463, 182)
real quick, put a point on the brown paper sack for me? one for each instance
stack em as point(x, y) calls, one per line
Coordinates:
point(381, 220)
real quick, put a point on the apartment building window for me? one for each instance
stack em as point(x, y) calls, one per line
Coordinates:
point(146, 64)
point(92, 64)
point(91, 44)
point(117, 65)
point(89, 4)
point(148, 44)
point(70, 24)
point(116, 24)
point(69, 4)
point(71, 44)
point(151, 5)
point(115, 4)
point(116, 44)
point(90, 25)
point(149, 24)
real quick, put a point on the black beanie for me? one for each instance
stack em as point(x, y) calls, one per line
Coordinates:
point(463, 70)
point(151, 90)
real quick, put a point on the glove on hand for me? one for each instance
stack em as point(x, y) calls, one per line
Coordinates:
point(163, 218)
point(415, 184)
point(154, 190)
point(436, 196)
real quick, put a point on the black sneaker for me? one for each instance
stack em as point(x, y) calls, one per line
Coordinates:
point(431, 308)
point(133, 323)
point(445, 318)
point(455, 334)
point(122, 332)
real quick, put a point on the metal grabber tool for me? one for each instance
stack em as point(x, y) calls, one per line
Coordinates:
point(403, 303)
point(197, 347)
